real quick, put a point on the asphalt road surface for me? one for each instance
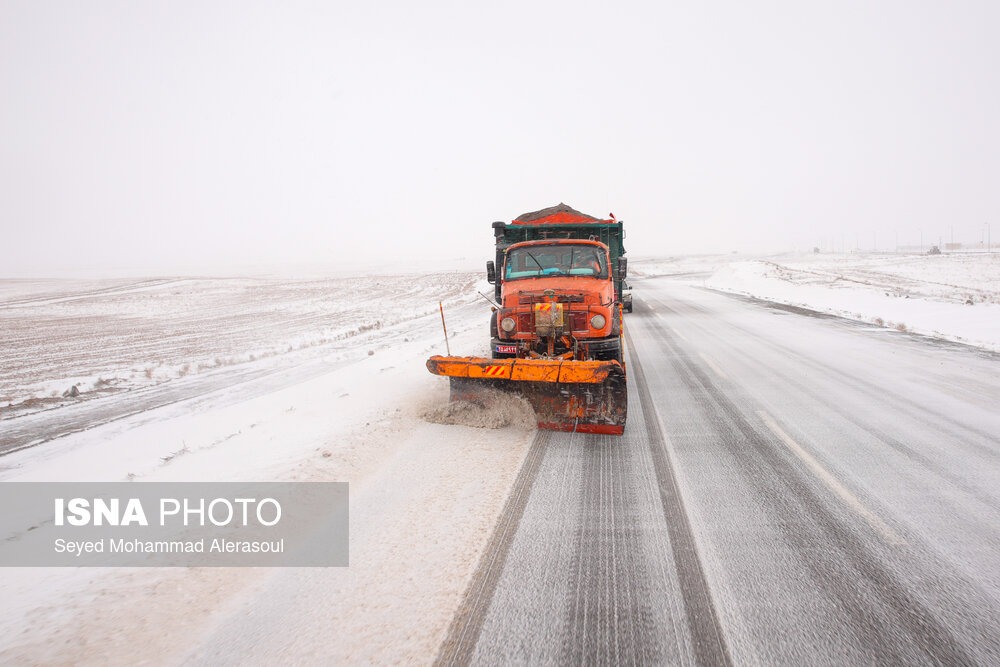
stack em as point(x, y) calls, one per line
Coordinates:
point(790, 489)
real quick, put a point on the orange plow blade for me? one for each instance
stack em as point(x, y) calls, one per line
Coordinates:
point(567, 395)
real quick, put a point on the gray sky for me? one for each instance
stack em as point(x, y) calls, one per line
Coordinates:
point(204, 135)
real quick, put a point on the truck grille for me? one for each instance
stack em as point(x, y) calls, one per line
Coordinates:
point(575, 321)
point(527, 299)
point(578, 320)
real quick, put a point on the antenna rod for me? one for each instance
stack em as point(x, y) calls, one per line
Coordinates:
point(492, 302)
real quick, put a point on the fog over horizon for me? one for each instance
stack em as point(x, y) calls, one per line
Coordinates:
point(165, 137)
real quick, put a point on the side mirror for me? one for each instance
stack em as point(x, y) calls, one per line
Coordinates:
point(622, 268)
point(491, 272)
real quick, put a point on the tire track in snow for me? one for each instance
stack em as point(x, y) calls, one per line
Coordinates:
point(463, 634)
point(703, 622)
point(618, 573)
point(888, 619)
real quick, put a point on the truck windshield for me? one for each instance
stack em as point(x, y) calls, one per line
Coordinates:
point(556, 260)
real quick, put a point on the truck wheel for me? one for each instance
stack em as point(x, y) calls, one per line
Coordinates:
point(616, 352)
point(611, 352)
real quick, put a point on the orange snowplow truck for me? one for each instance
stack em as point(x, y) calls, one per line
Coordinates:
point(556, 337)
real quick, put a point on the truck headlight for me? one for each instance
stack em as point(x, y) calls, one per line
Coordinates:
point(508, 324)
point(598, 321)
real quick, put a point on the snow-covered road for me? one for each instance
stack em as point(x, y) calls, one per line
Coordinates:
point(790, 489)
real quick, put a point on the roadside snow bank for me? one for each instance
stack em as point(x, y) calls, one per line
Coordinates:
point(496, 410)
point(954, 298)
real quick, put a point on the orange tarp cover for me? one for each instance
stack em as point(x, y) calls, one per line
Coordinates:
point(558, 215)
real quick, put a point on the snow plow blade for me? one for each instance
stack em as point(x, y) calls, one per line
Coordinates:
point(567, 395)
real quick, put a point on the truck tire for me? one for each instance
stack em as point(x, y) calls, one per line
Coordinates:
point(616, 353)
point(610, 350)
point(494, 337)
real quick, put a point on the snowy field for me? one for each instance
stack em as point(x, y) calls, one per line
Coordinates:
point(324, 379)
point(954, 297)
point(104, 337)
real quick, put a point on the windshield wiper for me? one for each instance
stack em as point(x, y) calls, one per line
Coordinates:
point(537, 263)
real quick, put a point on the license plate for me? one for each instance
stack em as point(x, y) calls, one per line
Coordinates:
point(507, 349)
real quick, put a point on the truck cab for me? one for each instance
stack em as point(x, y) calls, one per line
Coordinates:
point(557, 299)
